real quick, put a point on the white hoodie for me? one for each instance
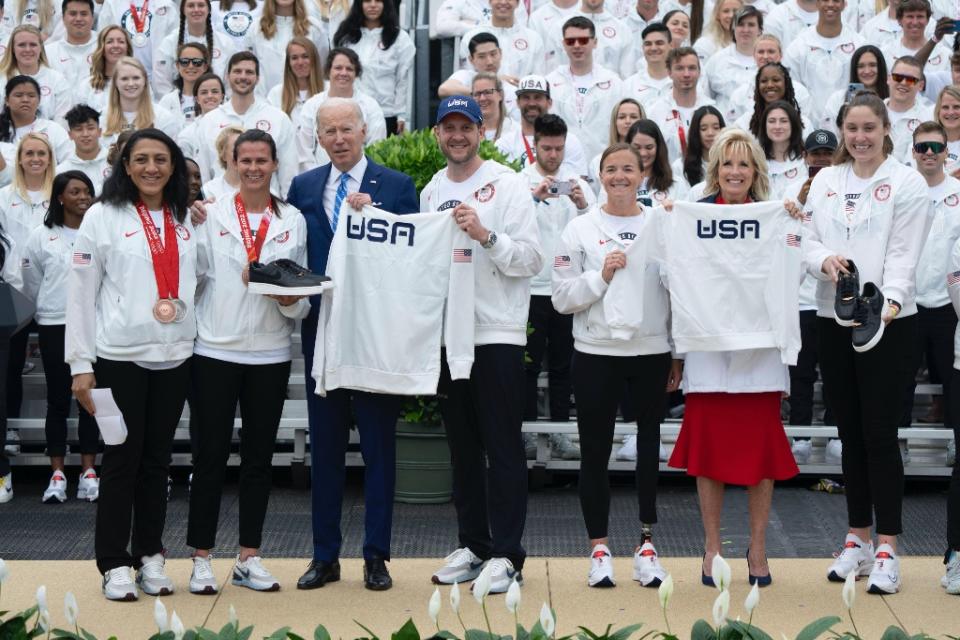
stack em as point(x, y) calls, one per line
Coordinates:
point(579, 288)
point(884, 237)
point(45, 264)
point(111, 290)
point(944, 232)
point(229, 317)
point(502, 272)
point(19, 216)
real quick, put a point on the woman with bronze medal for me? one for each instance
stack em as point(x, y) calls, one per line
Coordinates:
point(130, 328)
point(242, 355)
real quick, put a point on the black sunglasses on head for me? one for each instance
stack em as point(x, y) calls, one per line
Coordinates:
point(197, 62)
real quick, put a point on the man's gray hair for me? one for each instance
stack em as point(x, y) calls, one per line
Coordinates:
point(333, 103)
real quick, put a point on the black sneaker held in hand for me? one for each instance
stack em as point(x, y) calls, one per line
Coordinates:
point(848, 289)
point(286, 278)
point(868, 318)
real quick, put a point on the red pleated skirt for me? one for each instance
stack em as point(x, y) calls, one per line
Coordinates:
point(735, 438)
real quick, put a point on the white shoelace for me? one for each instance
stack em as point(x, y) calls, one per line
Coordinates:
point(153, 569)
point(254, 565)
point(202, 568)
point(119, 576)
point(459, 556)
point(497, 566)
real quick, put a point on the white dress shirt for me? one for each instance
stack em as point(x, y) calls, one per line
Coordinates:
point(333, 183)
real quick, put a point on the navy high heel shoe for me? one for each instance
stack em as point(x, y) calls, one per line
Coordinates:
point(704, 578)
point(761, 581)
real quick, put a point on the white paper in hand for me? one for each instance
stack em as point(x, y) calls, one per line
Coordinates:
point(109, 418)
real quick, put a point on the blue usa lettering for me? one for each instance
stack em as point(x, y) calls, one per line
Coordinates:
point(379, 230)
point(728, 229)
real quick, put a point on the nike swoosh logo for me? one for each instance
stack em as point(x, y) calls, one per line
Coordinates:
point(130, 233)
point(224, 233)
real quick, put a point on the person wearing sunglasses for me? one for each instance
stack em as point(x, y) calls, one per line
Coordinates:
point(193, 61)
point(616, 48)
point(195, 27)
point(907, 110)
point(584, 93)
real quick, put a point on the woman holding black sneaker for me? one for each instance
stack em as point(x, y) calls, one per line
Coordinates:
point(869, 220)
point(242, 356)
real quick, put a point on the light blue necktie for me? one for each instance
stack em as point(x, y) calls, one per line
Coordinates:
point(338, 199)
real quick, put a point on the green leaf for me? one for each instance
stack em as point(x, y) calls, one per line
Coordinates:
point(321, 633)
point(279, 634)
point(749, 631)
point(521, 633)
point(227, 632)
point(62, 633)
point(373, 636)
point(245, 633)
point(444, 634)
point(817, 628)
point(292, 636)
point(624, 633)
point(89, 636)
point(894, 633)
point(702, 631)
point(587, 634)
point(407, 632)
point(478, 634)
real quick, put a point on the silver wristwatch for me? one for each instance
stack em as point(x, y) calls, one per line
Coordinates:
point(491, 240)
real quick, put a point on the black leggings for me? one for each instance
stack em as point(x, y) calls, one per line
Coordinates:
point(15, 362)
point(953, 498)
point(866, 391)
point(598, 383)
point(59, 380)
point(4, 355)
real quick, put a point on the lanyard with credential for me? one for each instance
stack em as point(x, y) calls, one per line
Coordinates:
point(253, 247)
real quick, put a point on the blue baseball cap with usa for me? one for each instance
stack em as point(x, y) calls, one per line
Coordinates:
point(464, 105)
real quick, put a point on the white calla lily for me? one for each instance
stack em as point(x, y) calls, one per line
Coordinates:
point(71, 609)
point(721, 572)
point(753, 599)
point(665, 591)
point(849, 592)
point(176, 625)
point(721, 607)
point(547, 620)
point(433, 608)
point(42, 597)
point(43, 621)
point(455, 598)
point(513, 597)
point(160, 616)
point(232, 617)
point(481, 586)
point(4, 572)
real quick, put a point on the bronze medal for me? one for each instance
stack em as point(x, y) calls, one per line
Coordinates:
point(165, 311)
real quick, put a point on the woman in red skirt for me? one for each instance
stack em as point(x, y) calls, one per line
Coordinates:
point(731, 432)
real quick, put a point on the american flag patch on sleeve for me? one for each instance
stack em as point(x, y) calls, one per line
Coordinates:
point(953, 278)
point(81, 259)
point(561, 262)
point(793, 240)
point(463, 255)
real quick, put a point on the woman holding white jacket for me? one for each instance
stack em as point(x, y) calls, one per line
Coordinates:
point(242, 355)
point(871, 211)
point(131, 329)
point(612, 351)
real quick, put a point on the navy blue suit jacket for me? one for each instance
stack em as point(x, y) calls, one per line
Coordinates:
point(389, 190)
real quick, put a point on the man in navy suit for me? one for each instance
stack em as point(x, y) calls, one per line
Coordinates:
point(322, 195)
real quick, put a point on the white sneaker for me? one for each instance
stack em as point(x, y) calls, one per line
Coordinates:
point(502, 574)
point(251, 574)
point(89, 486)
point(202, 580)
point(646, 566)
point(56, 492)
point(12, 447)
point(629, 449)
point(460, 566)
point(562, 447)
point(6, 488)
point(151, 578)
point(885, 577)
point(951, 579)
point(834, 451)
point(951, 453)
point(663, 453)
point(801, 451)
point(857, 555)
point(904, 452)
point(117, 585)
point(601, 567)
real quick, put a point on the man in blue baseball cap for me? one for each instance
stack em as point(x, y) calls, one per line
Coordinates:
point(483, 416)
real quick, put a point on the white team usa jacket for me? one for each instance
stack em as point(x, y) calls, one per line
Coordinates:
point(229, 317)
point(579, 288)
point(111, 291)
point(587, 115)
point(45, 265)
point(503, 272)
point(944, 232)
point(883, 236)
point(19, 216)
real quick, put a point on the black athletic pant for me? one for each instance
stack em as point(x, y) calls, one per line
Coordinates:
point(935, 344)
point(59, 381)
point(552, 334)
point(261, 390)
point(483, 417)
point(866, 392)
point(804, 374)
point(953, 499)
point(391, 123)
point(133, 475)
point(4, 357)
point(15, 362)
point(598, 382)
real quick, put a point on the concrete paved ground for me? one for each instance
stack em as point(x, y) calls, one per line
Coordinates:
point(799, 594)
